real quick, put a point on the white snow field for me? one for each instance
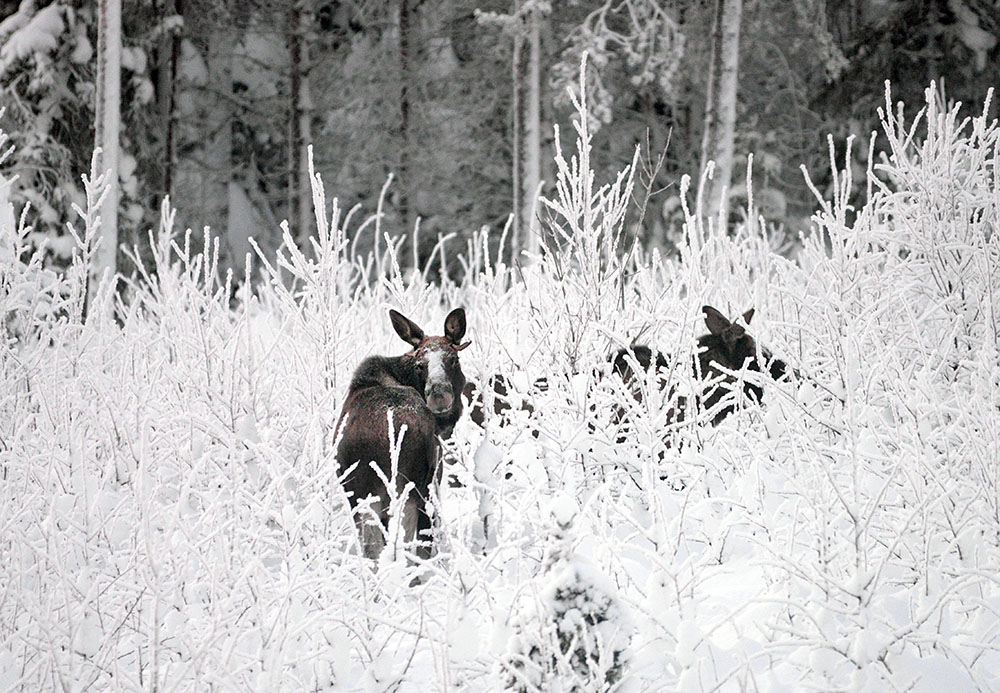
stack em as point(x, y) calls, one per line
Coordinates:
point(171, 517)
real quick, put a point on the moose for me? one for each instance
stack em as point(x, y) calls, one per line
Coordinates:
point(726, 347)
point(422, 391)
point(730, 346)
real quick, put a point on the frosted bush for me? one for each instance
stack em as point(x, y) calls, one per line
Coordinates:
point(571, 634)
point(29, 293)
point(171, 515)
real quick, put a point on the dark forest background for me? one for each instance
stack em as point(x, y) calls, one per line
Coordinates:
point(220, 97)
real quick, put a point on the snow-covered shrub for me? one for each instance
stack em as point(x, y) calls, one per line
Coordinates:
point(571, 634)
point(29, 292)
point(585, 271)
point(171, 516)
point(899, 303)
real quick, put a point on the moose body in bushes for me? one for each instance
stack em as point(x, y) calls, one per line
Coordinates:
point(498, 397)
point(422, 390)
point(726, 347)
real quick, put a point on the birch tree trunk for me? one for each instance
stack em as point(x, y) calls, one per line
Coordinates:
point(532, 138)
point(106, 126)
point(720, 107)
point(526, 105)
point(300, 130)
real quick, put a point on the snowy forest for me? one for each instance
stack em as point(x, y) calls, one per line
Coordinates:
point(730, 274)
point(456, 100)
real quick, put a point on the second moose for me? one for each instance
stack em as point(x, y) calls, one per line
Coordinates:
point(727, 347)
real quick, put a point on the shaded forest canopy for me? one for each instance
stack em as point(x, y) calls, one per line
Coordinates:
point(218, 96)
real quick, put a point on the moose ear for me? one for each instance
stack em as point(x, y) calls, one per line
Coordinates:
point(748, 316)
point(454, 326)
point(406, 328)
point(717, 322)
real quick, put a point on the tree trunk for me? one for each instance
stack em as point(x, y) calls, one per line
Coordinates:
point(405, 201)
point(532, 139)
point(218, 168)
point(517, 78)
point(300, 132)
point(106, 125)
point(527, 128)
point(170, 162)
point(720, 107)
point(166, 86)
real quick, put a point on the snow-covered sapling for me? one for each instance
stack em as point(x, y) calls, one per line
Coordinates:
point(575, 635)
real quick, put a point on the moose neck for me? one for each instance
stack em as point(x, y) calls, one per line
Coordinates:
point(387, 371)
point(399, 371)
point(447, 420)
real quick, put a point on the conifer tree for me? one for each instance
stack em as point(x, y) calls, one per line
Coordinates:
point(574, 637)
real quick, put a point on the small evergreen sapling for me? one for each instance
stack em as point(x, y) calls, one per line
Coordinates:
point(574, 635)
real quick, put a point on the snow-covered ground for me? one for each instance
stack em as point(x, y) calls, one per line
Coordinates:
point(171, 517)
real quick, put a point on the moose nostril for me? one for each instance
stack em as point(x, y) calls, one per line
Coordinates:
point(439, 400)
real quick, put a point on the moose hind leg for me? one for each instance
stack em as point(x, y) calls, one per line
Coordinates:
point(417, 526)
point(370, 520)
point(410, 523)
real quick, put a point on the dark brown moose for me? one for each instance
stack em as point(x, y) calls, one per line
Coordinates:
point(623, 365)
point(726, 347)
point(422, 389)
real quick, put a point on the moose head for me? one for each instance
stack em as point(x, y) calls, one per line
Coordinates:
point(729, 347)
point(434, 360)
